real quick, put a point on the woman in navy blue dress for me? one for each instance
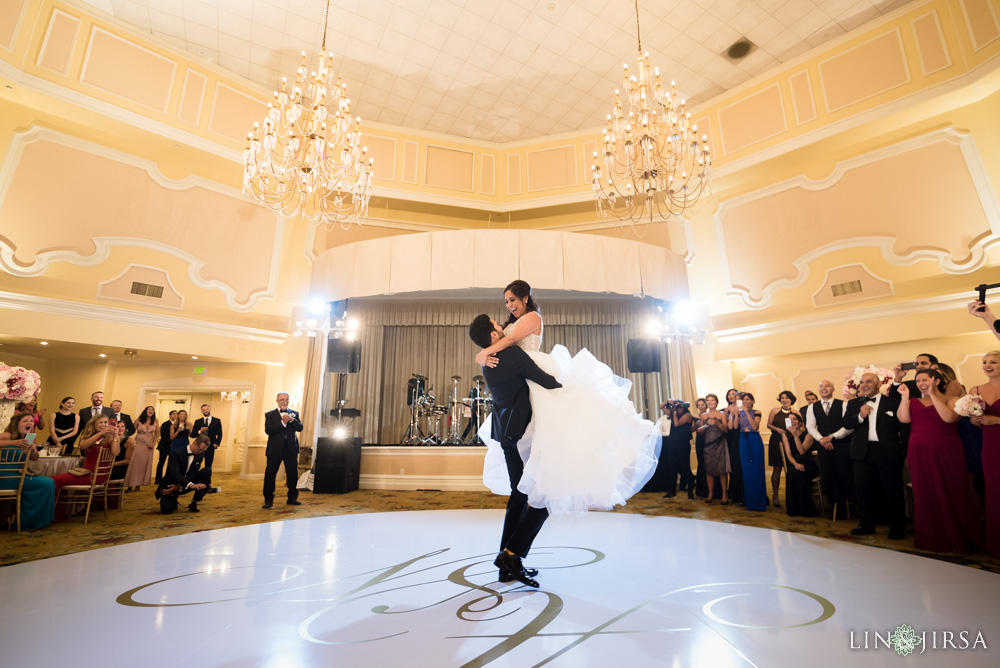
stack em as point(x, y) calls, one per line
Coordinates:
point(751, 454)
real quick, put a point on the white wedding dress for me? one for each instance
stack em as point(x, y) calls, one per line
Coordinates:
point(586, 447)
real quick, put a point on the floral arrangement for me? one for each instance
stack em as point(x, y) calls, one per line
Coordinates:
point(852, 381)
point(971, 405)
point(18, 383)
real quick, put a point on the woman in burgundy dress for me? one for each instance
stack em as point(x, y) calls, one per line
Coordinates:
point(97, 435)
point(945, 517)
point(990, 424)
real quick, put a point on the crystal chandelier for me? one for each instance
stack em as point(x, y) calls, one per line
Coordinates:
point(654, 163)
point(308, 159)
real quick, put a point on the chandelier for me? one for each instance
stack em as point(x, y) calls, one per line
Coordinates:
point(307, 159)
point(654, 163)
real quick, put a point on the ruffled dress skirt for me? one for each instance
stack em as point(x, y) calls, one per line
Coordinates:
point(586, 447)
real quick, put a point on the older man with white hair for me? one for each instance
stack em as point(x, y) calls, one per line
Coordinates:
point(282, 426)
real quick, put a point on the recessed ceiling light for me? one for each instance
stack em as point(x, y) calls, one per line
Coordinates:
point(43, 343)
point(102, 355)
point(194, 357)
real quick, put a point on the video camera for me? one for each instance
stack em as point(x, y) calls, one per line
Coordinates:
point(673, 404)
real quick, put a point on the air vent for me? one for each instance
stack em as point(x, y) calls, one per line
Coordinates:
point(147, 290)
point(740, 49)
point(843, 289)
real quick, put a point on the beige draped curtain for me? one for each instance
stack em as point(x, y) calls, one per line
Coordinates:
point(403, 338)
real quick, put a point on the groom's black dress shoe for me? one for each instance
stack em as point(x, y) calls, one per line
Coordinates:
point(512, 565)
point(861, 531)
point(507, 576)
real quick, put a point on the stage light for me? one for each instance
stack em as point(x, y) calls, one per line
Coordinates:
point(684, 312)
point(653, 328)
point(340, 432)
point(318, 306)
point(352, 323)
point(350, 336)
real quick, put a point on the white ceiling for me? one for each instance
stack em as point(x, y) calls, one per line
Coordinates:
point(496, 70)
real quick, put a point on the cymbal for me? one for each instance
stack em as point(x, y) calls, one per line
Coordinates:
point(456, 378)
point(477, 379)
point(419, 376)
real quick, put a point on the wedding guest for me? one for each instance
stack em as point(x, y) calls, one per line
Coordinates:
point(945, 518)
point(751, 454)
point(981, 310)
point(163, 447)
point(126, 446)
point(878, 450)
point(971, 436)
point(180, 431)
point(31, 406)
point(116, 408)
point(211, 427)
point(97, 435)
point(777, 423)
point(184, 474)
point(810, 398)
point(64, 426)
point(38, 495)
point(145, 444)
point(802, 470)
point(95, 408)
point(733, 443)
point(922, 361)
point(700, 479)
point(677, 448)
point(717, 466)
point(825, 423)
point(990, 424)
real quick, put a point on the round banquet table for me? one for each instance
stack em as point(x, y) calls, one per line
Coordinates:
point(50, 466)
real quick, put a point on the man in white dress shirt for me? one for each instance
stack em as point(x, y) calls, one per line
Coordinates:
point(825, 423)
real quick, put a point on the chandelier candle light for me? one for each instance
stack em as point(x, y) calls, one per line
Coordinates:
point(308, 159)
point(653, 159)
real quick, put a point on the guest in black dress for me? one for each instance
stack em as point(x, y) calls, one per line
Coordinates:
point(678, 450)
point(64, 426)
point(180, 432)
point(700, 480)
point(732, 411)
point(802, 470)
point(776, 423)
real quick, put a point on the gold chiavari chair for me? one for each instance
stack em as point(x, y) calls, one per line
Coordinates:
point(116, 488)
point(13, 466)
point(76, 493)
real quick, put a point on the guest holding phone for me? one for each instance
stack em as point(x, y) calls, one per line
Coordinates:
point(180, 432)
point(38, 495)
point(747, 422)
point(777, 422)
point(98, 434)
point(700, 479)
point(732, 411)
point(64, 426)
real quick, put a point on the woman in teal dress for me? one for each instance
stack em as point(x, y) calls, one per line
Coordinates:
point(38, 496)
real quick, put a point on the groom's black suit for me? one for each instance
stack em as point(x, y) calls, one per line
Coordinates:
point(511, 415)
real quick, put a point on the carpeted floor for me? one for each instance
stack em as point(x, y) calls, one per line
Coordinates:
point(240, 501)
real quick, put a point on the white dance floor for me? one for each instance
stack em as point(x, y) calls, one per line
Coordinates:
point(419, 589)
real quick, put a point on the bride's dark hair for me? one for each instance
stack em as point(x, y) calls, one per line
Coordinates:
point(521, 290)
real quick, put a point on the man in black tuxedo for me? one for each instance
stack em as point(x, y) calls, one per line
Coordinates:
point(96, 407)
point(163, 447)
point(281, 426)
point(211, 427)
point(116, 413)
point(825, 423)
point(511, 415)
point(184, 474)
point(878, 450)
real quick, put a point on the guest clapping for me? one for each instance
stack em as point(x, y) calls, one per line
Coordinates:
point(714, 425)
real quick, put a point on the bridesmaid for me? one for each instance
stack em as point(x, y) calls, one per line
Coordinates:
point(147, 429)
point(97, 435)
point(64, 426)
point(990, 424)
point(776, 423)
point(713, 425)
point(752, 455)
point(38, 495)
point(801, 472)
point(944, 515)
point(732, 412)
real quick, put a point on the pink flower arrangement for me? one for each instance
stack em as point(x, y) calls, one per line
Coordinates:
point(971, 405)
point(852, 381)
point(18, 383)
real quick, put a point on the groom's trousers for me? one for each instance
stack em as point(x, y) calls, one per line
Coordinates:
point(522, 522)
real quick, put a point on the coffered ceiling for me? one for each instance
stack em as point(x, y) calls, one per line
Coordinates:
point(496, 70)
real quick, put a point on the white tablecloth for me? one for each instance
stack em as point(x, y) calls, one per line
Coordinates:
point(50, 466)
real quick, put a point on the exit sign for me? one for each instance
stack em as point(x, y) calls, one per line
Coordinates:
point(199, 371)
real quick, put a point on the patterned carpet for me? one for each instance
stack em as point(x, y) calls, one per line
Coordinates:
point(239, 504)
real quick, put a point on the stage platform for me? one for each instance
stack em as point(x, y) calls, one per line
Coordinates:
point(418, 589)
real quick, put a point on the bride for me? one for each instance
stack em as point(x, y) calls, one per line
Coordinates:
point(586, 447)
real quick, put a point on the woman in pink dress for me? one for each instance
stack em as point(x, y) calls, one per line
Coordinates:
point(147, 428)
point(990, 424)
point(944, 514)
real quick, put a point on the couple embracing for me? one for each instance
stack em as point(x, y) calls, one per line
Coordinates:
point(564, 437)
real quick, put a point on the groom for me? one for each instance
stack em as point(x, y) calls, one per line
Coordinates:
point(511, 415)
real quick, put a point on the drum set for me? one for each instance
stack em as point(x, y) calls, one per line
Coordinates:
point(440, 424)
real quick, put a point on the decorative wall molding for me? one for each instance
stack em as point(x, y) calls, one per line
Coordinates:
point(104, 244)
point(119, 316)
point(977, 250)
point(854, 315)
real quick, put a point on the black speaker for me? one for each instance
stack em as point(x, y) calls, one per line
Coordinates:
point(343, 356)
point(643, 355)
point(338, 465)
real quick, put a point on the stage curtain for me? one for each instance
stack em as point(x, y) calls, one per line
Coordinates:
point(402, 338)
